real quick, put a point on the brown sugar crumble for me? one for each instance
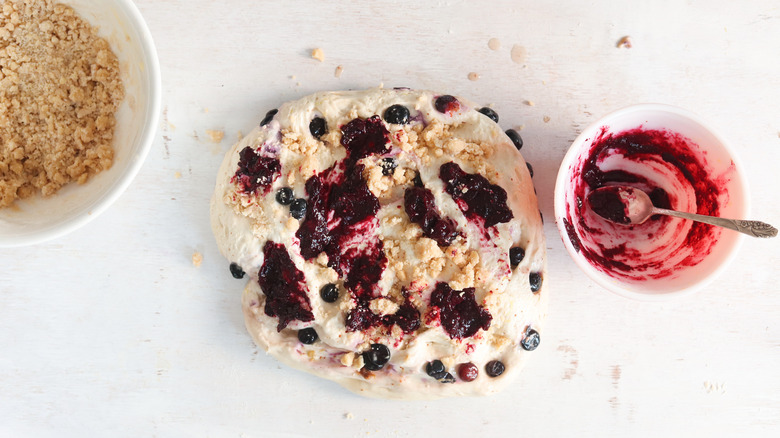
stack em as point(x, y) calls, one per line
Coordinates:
point(624, 43)
point(59, 90)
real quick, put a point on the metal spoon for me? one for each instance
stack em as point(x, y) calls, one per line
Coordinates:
point(629, 206)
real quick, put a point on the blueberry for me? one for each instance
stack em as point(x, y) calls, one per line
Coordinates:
point(492, 115)
point(535, 279)
point(285, 196)
point(494, 368)
point(329, 293)
point(530, 168)
point(388, 166)
point(318, 127)
point(397, 114)
point(376, 357)
point(515, 137)
point(531, 340)
point(268, 117)
point(516, 255)
point(447, 378)
point(417, 180)
point(236, 271)
point(468, 372)
point(298, 208)
point(307, 336)
point(435, 369)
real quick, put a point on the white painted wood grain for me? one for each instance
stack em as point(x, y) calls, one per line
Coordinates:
point(112, 331)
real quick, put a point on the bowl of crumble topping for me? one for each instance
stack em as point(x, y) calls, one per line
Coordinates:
point(79, 103)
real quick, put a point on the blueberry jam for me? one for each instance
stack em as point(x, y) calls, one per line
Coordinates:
point(419, 205)
point(608, 204)
point(341, 221)
point(447, 104)
point(407, 317)
point(256, 172)
point(461, 316)
point(284, 287)
point(364, 137)
point(475, 196)
point(653, 161)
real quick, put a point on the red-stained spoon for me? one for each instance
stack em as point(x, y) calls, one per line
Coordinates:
point(630, 206)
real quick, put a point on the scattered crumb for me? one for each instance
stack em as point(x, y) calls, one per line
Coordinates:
point(216, 136)
point(473, 76)
point(530, 102)
point(494, 44)
point(297, 84)
point(714, 387)
point(624, 42)
point(205, 110)
point(177, 175)
point(339, 71)
point(240, 135)
point(318, 54)
point(349, 416)
point(292, 77)
point(59, 90)
point(546, 119)
point(197, 259)
point(518, 54)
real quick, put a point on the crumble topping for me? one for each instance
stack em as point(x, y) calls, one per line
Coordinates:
point(59, 90)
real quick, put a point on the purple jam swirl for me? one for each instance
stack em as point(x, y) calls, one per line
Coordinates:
point(256, 172)
point(460, 315)
point(475, 196)
point(284, 287)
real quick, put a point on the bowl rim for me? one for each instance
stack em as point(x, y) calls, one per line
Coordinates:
point(599, 278)
point(120, 185)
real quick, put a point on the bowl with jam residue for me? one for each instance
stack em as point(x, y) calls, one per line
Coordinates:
point(670, 154)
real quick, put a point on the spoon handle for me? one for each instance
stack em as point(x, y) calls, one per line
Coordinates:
point(751, 228)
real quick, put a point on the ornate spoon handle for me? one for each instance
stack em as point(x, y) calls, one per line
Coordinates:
point(751, 228)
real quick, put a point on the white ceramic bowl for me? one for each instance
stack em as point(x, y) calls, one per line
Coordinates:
point(718, 161)
point(38, 219)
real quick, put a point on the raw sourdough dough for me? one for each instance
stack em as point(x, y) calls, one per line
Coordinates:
point(243, 224)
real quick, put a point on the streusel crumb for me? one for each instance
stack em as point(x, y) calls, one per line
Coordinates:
point(59, 90)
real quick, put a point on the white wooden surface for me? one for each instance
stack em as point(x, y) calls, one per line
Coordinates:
point(111, 331)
